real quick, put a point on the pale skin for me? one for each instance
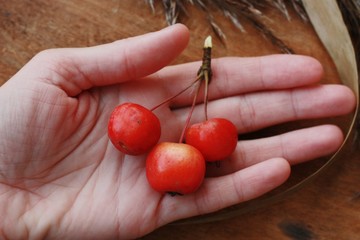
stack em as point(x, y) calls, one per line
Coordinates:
point(60, 177)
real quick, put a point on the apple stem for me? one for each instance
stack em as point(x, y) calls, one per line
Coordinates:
point(179, 93)
point(205, 72)
point(187, 123)
point(206, 94)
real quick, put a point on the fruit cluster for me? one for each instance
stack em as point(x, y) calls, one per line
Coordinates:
point(175, 168)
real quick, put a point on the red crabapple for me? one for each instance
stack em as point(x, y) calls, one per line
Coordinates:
point(215, 138)
point(175, 168)
point(133, 129)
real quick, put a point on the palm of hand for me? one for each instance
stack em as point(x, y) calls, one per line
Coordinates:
point(80, 173)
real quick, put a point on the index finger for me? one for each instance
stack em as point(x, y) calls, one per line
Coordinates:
point(236, 75)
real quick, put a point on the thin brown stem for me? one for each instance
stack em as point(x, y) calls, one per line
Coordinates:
point(205, 72)
point(179, 93)
point(187, 123)
point(206, 93)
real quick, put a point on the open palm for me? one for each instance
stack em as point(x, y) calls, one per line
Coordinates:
point(60, 177)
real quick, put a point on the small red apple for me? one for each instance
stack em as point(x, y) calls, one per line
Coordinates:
point(133, 129)
point(215, 138)
point(175, 168)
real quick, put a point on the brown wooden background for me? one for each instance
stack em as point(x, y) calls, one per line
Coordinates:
point(326, 208)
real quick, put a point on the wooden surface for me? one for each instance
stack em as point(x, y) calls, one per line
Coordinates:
point(326, 208)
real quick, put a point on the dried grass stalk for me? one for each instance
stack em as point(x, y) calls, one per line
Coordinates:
point(351, 14)
point(236, 11)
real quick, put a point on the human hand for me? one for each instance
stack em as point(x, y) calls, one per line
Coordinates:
point(60, 177)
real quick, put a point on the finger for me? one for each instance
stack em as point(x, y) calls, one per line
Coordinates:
point(296, 147)
point(77, 69)
point(257, 110)
point(218, 193)
point(240, 75)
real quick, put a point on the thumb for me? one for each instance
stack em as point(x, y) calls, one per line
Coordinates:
point(78, 69)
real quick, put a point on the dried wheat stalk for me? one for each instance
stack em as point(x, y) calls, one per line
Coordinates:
point(251, 10)
point(237, 11)
point(351, 13)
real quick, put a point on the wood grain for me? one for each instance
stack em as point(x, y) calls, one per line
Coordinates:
point(327, 208)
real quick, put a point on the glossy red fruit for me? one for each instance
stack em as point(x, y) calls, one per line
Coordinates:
point(215, 138)
point(133, 129)
point(175, 168)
